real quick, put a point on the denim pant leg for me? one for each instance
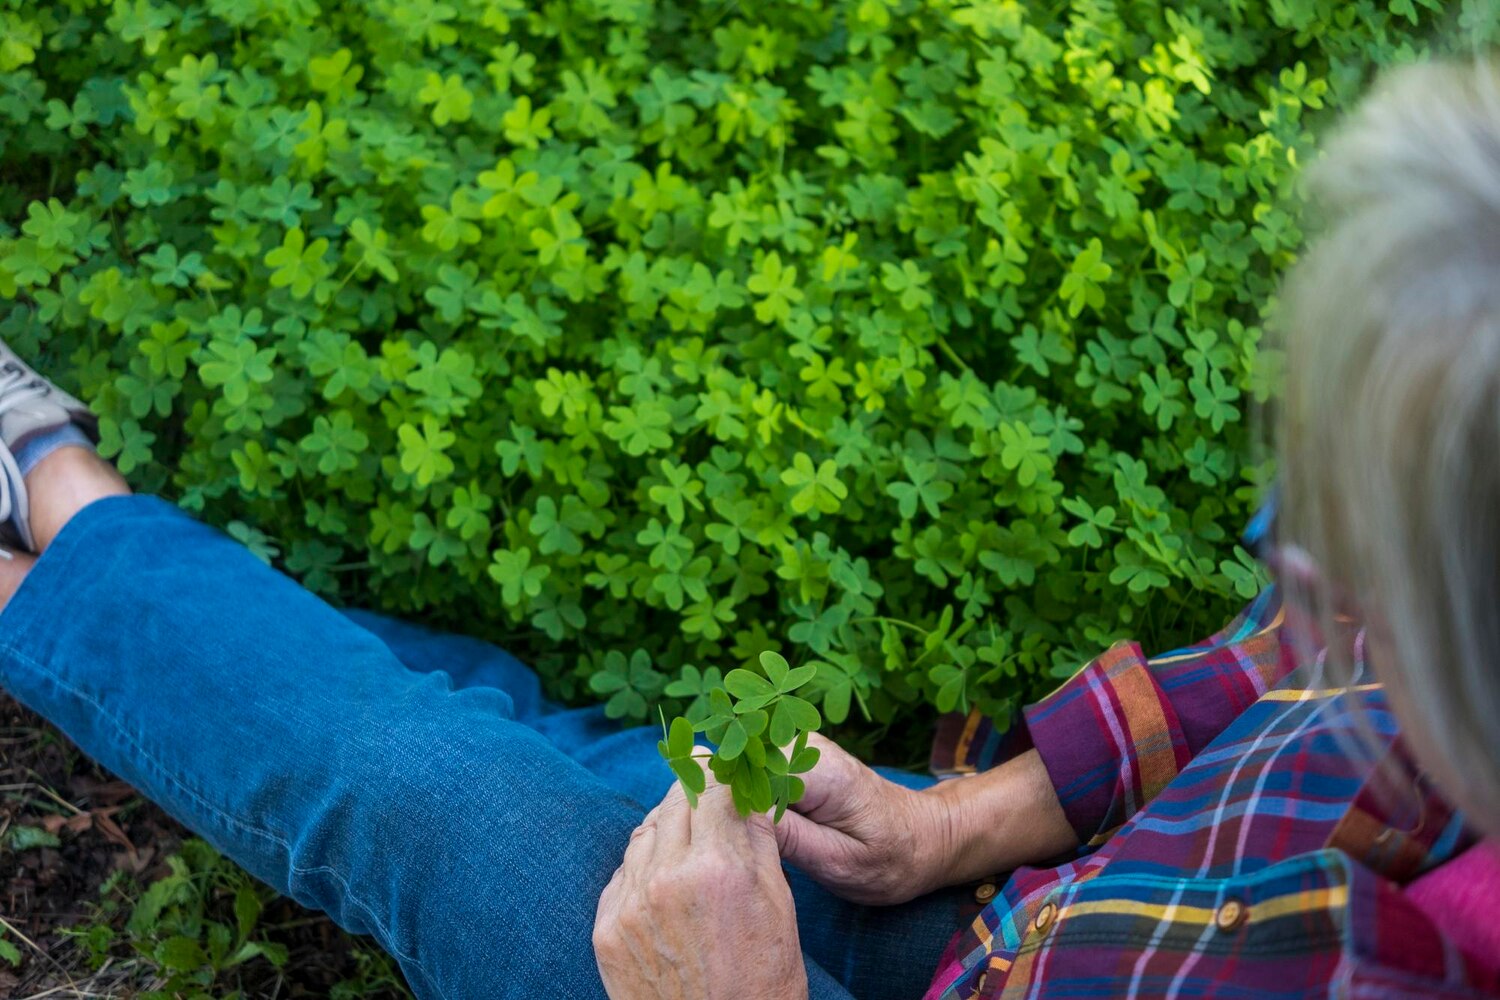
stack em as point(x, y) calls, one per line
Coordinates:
point(623, 758)
point(295, 742)
point(409, 809)
point(875, 953)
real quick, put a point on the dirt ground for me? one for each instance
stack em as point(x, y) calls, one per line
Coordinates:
point(103, 827)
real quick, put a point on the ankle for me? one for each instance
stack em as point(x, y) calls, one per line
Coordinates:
point(32, 450)
point(65, 482)
point(13, 569)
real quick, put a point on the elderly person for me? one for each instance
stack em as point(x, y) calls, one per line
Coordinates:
point(1237, 818)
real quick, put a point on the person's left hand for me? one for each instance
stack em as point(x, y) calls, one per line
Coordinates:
point(700, 909)
point(864, 837)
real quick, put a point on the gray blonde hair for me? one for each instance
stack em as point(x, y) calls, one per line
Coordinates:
point(1389, 435)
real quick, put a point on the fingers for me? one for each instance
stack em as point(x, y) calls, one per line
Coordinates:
point(791, 835)
point(642, 844)
point(760, 831)
point(609, 899)
point(716, 815)
point(612, 898)
point(831, 778)
point(717, 823)
point(674, 814)
point(641, 857)
point(822, 742)
point(674, 817)
point(804, 843)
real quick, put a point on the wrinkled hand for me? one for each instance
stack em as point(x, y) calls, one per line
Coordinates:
point(865, 838)
point(700, 909)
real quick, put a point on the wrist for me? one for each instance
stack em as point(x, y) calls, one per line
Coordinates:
point(955, 840)
point(997, 820)
point(937, 833)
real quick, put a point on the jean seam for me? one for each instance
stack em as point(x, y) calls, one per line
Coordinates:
point(199, 800)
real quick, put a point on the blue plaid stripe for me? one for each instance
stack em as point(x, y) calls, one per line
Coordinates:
point(1275, 813)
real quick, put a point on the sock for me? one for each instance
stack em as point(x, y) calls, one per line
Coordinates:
point(40, 446)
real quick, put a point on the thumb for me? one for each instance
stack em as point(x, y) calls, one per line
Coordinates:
point(828, 784)
point(804, 843)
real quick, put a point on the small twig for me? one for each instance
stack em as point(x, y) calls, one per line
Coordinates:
point(21, 937)
point(73, 991)
point(54, 991)
point(54, 796)
point(49, 993)
point(300, 922)
point(45, 955)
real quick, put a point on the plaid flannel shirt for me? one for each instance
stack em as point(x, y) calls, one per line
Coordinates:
point(1233, 846)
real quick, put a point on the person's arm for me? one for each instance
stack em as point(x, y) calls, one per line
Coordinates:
point(1082, 761)
point(1115, 734)
point(1001, 819)
point(873, 841)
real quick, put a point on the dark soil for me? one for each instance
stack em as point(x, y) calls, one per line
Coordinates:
point(104, 827)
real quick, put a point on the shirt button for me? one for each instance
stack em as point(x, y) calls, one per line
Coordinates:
point(1230, 915)
point(985, 893)
point(1045, 916)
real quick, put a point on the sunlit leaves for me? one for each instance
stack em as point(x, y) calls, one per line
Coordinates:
point(451, 101)
point(296, 264)
point(775, 288)
point(641, 428)
point(909, 282)
point(679, 492)
point(517, 577)
point(677, 750)
point(525, 126)
point(631, 684)
point(1082, 285)
point(125, 443)
point(194, 88)
point(692, 330)
point(336, 443)
point(335, 75)
point(235, 367)
point(56, 228)
point(760, 726)
point(374, 249)
point(447, 227)
point(815, 489)
point(1024, 452)
point(424, 450)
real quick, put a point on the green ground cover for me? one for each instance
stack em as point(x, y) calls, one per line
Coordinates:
point(919, 342)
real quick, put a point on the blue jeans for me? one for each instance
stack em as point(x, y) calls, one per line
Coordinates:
point(416, 787)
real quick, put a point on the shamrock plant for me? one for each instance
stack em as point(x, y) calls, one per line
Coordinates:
point(914, 341)
point(760, 726)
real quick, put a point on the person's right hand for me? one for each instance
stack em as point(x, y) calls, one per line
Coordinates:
point(700, 908)
point(865, 838)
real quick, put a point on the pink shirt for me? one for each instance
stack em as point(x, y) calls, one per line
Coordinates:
point(1461, 896)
